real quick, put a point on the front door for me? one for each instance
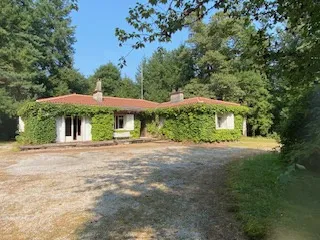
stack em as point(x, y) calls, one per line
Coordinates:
point(73, 128)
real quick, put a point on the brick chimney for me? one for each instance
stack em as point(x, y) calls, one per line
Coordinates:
point(176, 96)
point(97, 94)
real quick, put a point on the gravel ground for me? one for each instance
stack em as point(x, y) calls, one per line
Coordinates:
point(146, 191)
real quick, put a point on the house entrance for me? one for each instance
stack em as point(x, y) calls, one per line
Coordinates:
point(73, 128)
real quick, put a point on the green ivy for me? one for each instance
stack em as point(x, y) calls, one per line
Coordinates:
point(102, 127)
point(38, 130)
point(137, 126)
point(54, 110)
point(39, 119)
point(195, 123)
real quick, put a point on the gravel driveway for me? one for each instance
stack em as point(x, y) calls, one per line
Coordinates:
point(146, 191)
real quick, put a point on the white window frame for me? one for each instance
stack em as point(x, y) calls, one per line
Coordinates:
point(116, 122)
point(228, 121)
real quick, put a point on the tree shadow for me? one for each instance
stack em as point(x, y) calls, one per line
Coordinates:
point(178, 194)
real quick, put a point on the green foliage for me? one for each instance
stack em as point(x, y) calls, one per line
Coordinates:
point(102, 127)
point(300, 134)
point(165, 71)
point(198, 127)
point(54, 110)
point(110, 78)
point(127, 89)
point(68, 80)
point(195, 123)
point(39, 129)
point(137, 127)
point(257, 192)
point(36, 39)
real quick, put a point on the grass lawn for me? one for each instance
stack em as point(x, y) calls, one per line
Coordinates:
point(270, 209)
point(255, 142)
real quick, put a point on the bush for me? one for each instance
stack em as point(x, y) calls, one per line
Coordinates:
point(102, 127)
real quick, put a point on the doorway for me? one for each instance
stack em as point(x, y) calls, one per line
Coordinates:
point(73, 128)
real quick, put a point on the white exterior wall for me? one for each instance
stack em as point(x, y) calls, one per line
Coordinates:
point(129, 122)
point(228, 121)
point(21, 125)
point(60, 129)
point(86, 129)
point(244, 127)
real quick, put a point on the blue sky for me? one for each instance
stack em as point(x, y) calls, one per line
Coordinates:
point(96, 44)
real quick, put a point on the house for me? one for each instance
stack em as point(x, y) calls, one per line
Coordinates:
point(134, 118)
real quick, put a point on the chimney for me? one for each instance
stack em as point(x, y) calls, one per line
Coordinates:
point(176, 96)
point(97, 94)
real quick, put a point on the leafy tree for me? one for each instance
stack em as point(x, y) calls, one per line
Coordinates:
point(68, 80)
point(164, 71)
point(197, 89)
point(127, 89)
point(258, 98)
point(110, 77)
point(36, 40)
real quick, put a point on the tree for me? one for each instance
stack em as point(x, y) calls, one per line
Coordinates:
point(110, 77)
point(127, 89)
point(68, 80)
point(36, 40)
point(165, 71)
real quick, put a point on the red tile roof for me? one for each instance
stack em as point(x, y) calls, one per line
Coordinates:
point(128, 103)
point(195, 100)
point(125, 103)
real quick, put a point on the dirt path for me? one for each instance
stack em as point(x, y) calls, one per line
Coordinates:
point(147, 191)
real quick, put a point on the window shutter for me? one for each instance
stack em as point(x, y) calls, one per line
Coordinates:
point(230, 121)
point(21, 125)
point(60, 129)
point(129, 122)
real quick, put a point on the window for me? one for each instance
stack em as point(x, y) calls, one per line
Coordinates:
point(225, 121)
point(68, 126)
point(119, 122)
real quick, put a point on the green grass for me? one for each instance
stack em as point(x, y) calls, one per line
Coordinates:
point(269, 208)
point(255, 142)
point(257, 192)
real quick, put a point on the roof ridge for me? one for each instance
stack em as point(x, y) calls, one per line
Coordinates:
point(57, 97)
point(130, 99)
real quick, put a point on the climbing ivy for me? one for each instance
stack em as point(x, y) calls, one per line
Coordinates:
point(38, 130)
point(39, 119)
point(54, 110)
point(195, 123)
point(102, 127)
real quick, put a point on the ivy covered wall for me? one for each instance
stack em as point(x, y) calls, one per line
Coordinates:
point(40, 123)
point(38, 129)
point(195, 123)
point(102, 127)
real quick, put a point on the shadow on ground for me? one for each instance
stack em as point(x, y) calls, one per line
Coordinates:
point(178, 194)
